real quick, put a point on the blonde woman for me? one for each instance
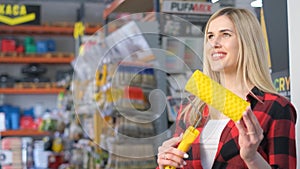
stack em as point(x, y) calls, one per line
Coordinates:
point(235, 56)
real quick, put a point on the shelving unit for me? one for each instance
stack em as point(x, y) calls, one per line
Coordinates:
point(48, 89)
point(134, 123)
point(51, 89)
point(45, 58)
point(48, 58)
point(27, 95)
point(129, 121)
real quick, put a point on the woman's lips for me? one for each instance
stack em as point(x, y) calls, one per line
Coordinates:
point(218, 56)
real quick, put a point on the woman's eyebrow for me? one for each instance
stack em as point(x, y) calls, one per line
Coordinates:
point(226, 30)
point(222, 30)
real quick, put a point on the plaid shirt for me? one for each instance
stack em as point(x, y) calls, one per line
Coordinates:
point(277, 117)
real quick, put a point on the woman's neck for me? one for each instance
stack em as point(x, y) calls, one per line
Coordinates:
point(235, 84)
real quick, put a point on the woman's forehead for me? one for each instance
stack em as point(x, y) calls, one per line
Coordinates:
point(220, 23)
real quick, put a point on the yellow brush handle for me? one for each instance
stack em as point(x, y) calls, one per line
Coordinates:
point(189, 137)
point(216, 95)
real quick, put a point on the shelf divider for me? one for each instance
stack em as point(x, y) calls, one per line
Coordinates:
point(31, 90)
point(44, 30)
point(36, 58)
point(23, 132)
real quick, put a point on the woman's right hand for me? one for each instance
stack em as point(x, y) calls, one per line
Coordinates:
point(168, 155)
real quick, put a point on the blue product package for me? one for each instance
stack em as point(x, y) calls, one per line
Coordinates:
point(6, 109)
point(15, 118)
point(41, 47)
point(29, 112)
point(2, 119)
point(51, 45)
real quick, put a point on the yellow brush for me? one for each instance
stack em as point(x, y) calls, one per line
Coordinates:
point(216, 96)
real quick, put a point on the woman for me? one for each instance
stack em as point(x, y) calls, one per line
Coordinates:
point(235, 56)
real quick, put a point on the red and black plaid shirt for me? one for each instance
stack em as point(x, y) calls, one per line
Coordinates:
point(277, 117)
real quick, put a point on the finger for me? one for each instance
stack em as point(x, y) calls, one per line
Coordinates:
point(241, 127)
point(254, 130)
point(170, 160)
point(174, 158)
point(178, 153)
point(169, 147)
point(251, 129)
point(173, 141)
point(169, 155)
point(256, 124)
point(172, 151)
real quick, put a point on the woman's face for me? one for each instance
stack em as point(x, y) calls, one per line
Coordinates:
point(222, 45)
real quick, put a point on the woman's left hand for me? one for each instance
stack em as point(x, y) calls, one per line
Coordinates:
point(250, 135)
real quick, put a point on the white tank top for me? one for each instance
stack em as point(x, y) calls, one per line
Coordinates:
point(209, 141)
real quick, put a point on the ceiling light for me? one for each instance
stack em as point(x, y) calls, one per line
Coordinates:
point(256, 3)
point(214, 1)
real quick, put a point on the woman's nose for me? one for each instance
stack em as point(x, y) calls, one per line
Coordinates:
point(215, 43)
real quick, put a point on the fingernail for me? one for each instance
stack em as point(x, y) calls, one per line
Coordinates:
point(185, 155)
point(184, 163)
point(245, 113)
point(181, 166)
point(238, 122)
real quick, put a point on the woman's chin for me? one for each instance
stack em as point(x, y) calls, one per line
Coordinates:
point(217, 68)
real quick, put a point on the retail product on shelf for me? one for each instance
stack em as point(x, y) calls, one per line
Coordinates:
point(34, 69)
point(11, 46)
point(135, 75)
point(2, 121)
point(6, 81)
point(11, 151)
point(27, 46)
point(12, 116)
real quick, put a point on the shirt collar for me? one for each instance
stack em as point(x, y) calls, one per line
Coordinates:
point(256, 94)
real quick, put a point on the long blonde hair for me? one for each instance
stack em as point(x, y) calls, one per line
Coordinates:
point(252, 56)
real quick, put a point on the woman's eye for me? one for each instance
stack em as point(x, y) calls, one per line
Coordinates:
point(226, 35)
point(210, 37)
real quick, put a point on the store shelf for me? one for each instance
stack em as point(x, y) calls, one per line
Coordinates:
point(128, 6)
point(37, 58)
point(90, 30)
point(31, 90)
point(44, 30)
point(23, 133)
